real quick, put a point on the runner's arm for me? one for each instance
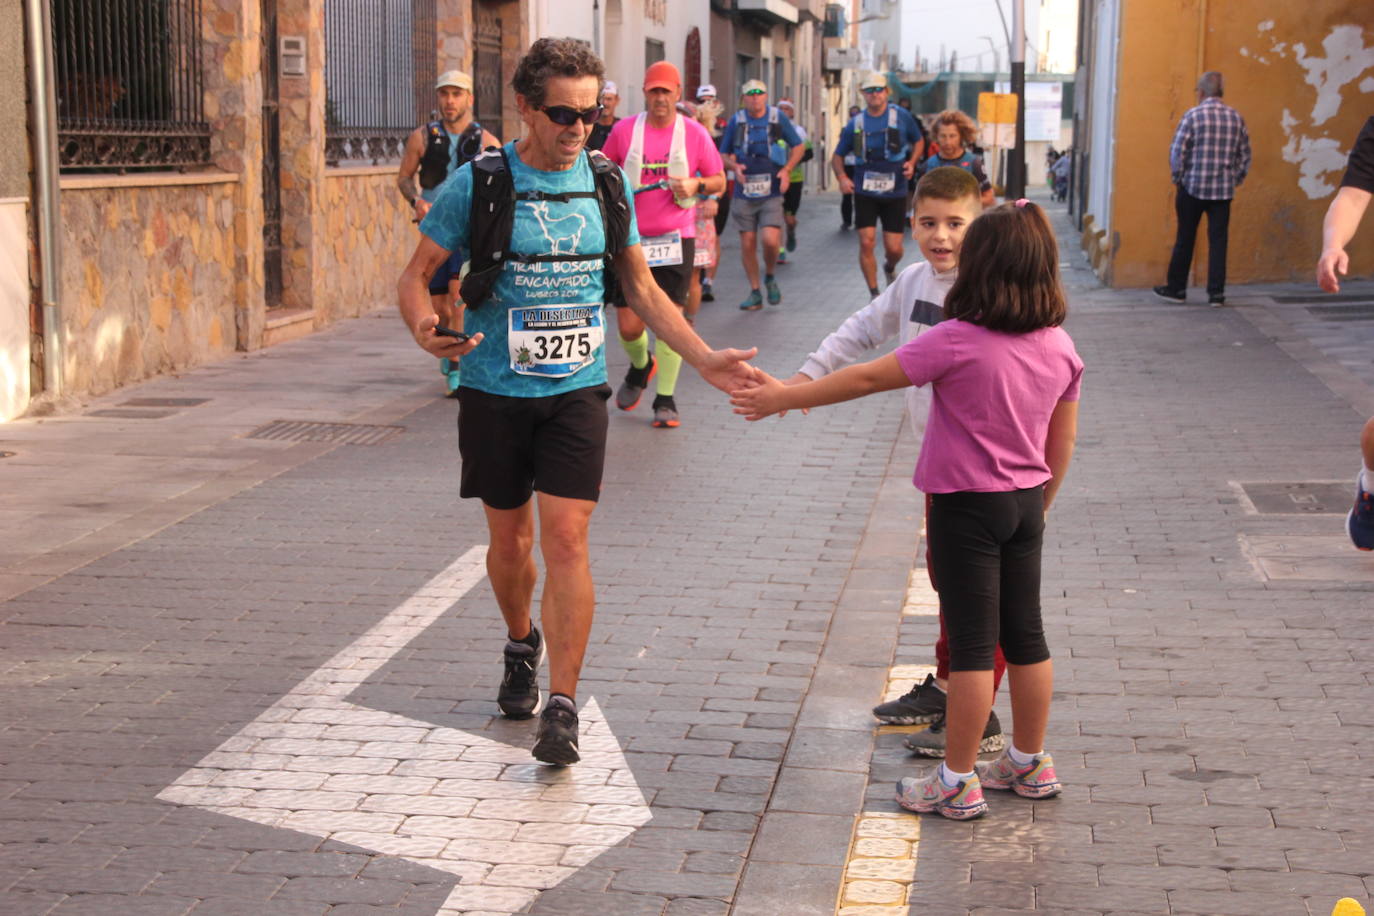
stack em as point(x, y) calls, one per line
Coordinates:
point(410, 164)
point(725, 369)
point(417, 312)
point(1342, 219)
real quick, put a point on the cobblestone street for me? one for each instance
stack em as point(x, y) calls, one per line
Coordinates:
point(257, 676)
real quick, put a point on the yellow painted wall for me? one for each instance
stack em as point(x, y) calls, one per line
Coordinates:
point(1294, 71)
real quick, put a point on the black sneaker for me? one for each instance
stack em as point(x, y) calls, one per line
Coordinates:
point(923, 703)
point(556, 741)
point(707, 293)
point(1169, 295)
point(632, 389)
point(1216, 300)
point(931, 742)
point(665, 412)
point(519, 693)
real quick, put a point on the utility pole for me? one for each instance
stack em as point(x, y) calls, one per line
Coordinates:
point(1016, 167)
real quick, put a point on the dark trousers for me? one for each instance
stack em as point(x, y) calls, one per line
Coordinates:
point(1189, 210)
point(847, 201)
point(985, 550)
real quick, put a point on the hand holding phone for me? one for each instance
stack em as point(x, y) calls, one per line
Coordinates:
point(459, 336)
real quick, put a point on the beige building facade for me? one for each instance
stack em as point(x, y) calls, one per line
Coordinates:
point(270, 214)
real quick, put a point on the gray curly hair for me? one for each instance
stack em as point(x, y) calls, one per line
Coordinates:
point(549, 57)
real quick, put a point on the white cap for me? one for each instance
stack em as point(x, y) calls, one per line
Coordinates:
point(706, 89)
point(611, 88)
point(455, 78)
point(874, 81)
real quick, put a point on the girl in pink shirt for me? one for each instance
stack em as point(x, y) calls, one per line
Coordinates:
point(1003, 419)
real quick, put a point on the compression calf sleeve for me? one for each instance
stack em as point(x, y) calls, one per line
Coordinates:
point(669, 365)
point(638, 350)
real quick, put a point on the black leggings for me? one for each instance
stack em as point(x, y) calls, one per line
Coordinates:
point(985, 550)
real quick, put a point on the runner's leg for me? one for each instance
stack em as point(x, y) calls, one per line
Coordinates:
point(510, 564)
point(568, 602)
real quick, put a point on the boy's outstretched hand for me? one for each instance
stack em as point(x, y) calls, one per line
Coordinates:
point(760, 397)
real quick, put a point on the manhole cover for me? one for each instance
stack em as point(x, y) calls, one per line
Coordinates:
point(1302, 498)
point(1343, 312)
point(130, 413)
point(311, 431)
point(164, 402)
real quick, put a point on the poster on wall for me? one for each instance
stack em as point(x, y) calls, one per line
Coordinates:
point(1044, 110)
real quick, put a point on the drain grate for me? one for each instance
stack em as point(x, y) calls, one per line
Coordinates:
point(1305, 498)
point(312, 431)
point(1363, 312)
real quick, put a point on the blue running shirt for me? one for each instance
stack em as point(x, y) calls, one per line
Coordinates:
point(543, 326)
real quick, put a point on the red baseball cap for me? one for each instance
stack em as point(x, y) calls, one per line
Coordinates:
point(662, 75)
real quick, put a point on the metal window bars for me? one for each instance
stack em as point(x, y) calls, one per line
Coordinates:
point(380, 60)
point(129, 84)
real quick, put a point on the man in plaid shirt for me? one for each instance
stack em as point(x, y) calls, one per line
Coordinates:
point(1209, 158)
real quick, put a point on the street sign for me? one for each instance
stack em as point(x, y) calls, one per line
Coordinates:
point(449, 799)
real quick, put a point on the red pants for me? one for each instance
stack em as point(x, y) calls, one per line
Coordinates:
point(999, 664)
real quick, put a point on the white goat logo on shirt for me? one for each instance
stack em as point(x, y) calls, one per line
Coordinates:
point(562, 232)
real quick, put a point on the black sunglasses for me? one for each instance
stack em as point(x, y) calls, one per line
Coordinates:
point(564, 116)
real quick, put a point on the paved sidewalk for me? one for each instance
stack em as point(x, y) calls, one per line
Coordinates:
point(256, 676)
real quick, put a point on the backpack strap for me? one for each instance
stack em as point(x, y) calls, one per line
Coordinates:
point(491, 219)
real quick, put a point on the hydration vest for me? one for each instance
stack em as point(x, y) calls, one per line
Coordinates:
point(741, 144)
point(678, 166)
point(491, 221)
point(434, 163)
point(894, 134)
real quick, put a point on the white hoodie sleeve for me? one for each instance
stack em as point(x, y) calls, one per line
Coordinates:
point(869, 327)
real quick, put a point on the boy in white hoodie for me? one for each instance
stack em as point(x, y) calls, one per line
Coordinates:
point(947, 200)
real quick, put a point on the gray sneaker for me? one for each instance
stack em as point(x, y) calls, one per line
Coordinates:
point(931, 742)
point(923, 703)
point(632, 389)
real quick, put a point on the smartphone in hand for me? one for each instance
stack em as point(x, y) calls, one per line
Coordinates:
point(459, 336)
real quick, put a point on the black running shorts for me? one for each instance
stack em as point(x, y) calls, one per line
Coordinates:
point(791, 198)
point(675, 280)
point(513, 446)
point(868, 211)
point(449, 270)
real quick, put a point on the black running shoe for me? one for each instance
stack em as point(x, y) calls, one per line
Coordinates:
point(519, 693)
point(556, 741)
point(931, 741)
point(632, 389)
point(922, 704)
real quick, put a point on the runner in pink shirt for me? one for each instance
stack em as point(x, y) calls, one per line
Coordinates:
point(671, 161)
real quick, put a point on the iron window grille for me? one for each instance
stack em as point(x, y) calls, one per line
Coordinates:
point(129, 84)
point(380, 58)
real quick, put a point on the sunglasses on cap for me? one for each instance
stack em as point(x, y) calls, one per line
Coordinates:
point(874, 89)
point(756, 92)
point(564, 116)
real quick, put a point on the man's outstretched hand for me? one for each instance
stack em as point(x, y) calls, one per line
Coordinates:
point(729, 369)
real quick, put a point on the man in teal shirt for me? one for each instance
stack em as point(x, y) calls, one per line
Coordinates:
point(532, 416)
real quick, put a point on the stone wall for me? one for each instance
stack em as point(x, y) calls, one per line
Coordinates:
point(148, 280)
point(369, 240)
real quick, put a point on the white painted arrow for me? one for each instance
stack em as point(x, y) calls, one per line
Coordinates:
point(448, 799)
